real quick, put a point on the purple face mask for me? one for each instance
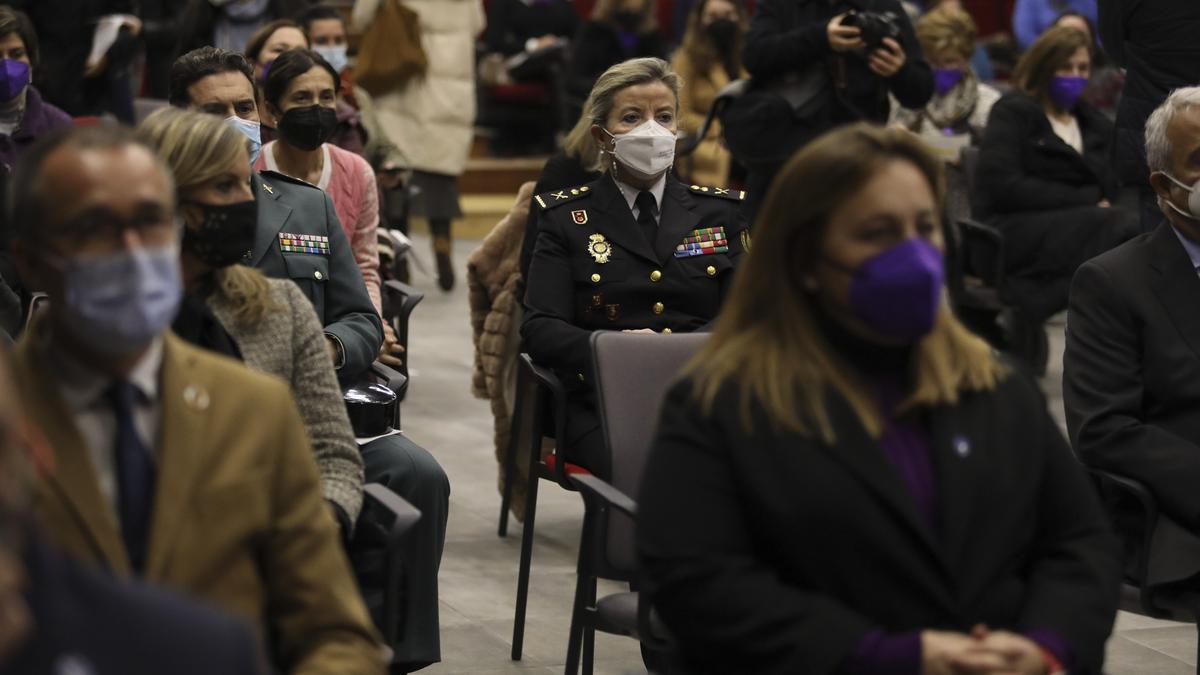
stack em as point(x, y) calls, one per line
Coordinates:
point(897, 293)
point(944, 79)
point(1065, 90)
point(14, 77)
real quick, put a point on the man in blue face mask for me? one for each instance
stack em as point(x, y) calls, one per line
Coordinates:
point(173, 464)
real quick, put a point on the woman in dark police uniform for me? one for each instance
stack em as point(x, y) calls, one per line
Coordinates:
point(846, 480)
point(634, 250)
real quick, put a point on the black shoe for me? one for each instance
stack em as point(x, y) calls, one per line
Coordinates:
point(445, 272)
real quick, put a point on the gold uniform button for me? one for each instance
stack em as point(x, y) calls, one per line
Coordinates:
point(666, 331)
point(317, 275)
point(658, 308)
point(595, 278)
point(655, 275)
point(712, 271)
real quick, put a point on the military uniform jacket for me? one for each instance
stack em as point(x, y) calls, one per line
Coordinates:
point(299, 238)
point(594, 269)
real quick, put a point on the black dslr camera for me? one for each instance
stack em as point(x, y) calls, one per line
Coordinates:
point(873, 27)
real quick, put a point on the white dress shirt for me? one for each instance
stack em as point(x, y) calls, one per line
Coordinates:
point(85, 390)
point(630, 193)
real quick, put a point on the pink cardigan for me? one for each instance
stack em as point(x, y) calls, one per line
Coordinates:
point(350, 183)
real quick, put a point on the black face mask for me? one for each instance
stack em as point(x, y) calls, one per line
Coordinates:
point(225, 236)
point(307, 128)
point(628, 20)
point(723, 33)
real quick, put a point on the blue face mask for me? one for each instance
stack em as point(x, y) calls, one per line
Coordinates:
point(251, 131)
point(119, 302)
point(14, 78)
point(335, 55)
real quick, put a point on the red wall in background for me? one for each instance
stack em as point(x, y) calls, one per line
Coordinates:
point(991, 16)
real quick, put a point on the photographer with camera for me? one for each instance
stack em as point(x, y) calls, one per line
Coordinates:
point(815, 65)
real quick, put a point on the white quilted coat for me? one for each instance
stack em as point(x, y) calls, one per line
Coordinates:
point(431, 119)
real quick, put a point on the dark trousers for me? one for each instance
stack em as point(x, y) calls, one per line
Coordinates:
point(411, 472)
point(1043, 249)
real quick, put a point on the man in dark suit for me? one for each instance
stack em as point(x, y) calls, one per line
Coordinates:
point(220, 82)
point(1131, 382)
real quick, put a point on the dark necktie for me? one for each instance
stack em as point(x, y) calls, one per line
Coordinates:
point(135, 475)
point(646, 207)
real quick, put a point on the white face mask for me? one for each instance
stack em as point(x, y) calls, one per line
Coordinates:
point(1193, 199)
point(647, 151)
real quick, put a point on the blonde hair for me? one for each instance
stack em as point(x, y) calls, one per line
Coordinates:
point(198, 147)
point(600, 102)
point(766, 340)
point(947, 28)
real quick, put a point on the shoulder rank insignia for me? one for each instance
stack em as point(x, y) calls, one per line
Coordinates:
point(735, 195)
point(267, 186)
point(598, 248)
point(304, 243)
point(551, 199)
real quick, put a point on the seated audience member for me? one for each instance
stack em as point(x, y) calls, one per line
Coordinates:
point(1131, 366)
point(633, 250)
point(269, 42)
point(174, 465)
point(301, 94)
point(828, 491)
point(326, 33)
point(219, 82)
point(55, 609)
point(791, 50)
point(1106, 82)
point(1031, 18)
point(516, 26)
point(617, 30)
point(24, 116)
point(228, 25)
point(958, 112)
point(233, 309)
point(708, 60)
point(1045, 178)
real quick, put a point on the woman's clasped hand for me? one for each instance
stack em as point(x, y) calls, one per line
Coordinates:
point(983, 652)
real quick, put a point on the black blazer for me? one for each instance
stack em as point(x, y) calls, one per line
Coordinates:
point(786, 35)
point(1025, 166)
point(570, 293)
point(769, 552)
point(1131, 371)
point(106, 626)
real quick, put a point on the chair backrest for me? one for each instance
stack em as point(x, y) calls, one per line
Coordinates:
point(632, 374)
point(968, 160)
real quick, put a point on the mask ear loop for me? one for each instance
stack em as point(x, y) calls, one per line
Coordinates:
point(1171, 204)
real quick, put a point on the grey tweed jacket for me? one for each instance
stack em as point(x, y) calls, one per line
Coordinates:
point(290, 343)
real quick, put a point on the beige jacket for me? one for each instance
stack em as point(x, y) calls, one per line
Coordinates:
point(238, 516)
point(709, 163)
point(431, 119)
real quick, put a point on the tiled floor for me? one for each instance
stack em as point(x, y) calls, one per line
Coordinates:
point(478, 577)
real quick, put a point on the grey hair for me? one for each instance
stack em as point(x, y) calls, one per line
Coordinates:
point(1158, 148)
point(600, 102)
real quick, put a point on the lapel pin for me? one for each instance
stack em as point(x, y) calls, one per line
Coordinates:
point(268, 188)
point(962, 447)
point(196, 398)
point(580, 217)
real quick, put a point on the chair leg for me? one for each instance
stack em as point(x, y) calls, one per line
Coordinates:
point(574, 642)
point(523, 571)
point(589, 633)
